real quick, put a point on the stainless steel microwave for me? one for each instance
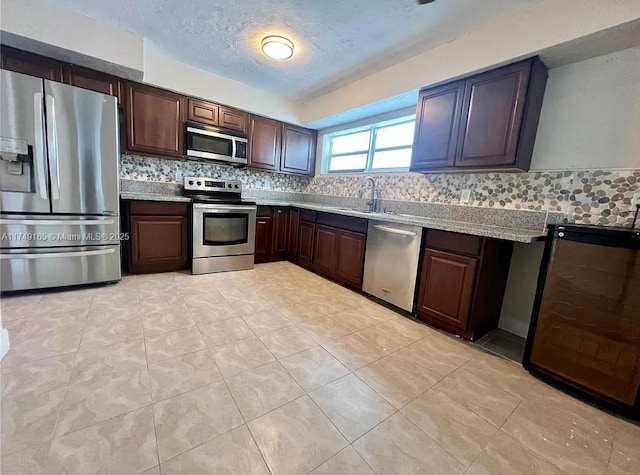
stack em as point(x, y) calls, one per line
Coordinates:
point(220, 145)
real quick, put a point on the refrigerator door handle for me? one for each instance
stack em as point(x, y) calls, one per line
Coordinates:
point(48, 255)
point(52, 143)
point(58, 222)
point(38, 149)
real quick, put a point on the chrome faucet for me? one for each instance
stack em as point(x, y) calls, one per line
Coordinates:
point(373, 202)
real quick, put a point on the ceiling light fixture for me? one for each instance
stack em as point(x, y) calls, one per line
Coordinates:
point(277, 47)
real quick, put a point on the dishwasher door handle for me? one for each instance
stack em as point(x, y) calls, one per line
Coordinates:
point(387, 229)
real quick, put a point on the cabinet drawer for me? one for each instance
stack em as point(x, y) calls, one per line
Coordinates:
point(158, 208)
point(264, 211)
point(454, 242)
point(307, 215)
point(358, 225)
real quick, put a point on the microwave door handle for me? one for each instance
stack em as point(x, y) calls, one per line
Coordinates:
point(52, 142)
point(233, 149)
point(39, 147)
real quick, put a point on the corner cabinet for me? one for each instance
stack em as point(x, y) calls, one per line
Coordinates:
point(486, 122)
point(462, 282)
point(155, 121)
point(159, 236)
point(280, 147)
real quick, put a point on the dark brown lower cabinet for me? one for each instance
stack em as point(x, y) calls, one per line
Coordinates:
point(159, 237)
point(462, 282)
point(280, 230)
point(264, 235)
point(306, 236)
point(350, 257)
point(326, 242)
point(339, 252)
point(448, 287)
point(294, 224)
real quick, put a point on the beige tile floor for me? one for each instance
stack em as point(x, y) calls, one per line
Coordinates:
point(274, 370)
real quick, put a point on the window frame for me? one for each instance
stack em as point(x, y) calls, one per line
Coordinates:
point(373, 133)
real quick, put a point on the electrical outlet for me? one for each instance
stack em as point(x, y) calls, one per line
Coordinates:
point(465, 196)
point(635, 201)
point(178, 175)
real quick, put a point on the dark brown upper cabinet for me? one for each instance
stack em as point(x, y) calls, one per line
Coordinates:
point(155, 121)
point(213, 114)
point(281, 147)
point(32, 64)
point(203, 112)
point(298, 150)
point(233, 119)
point(94, 81)
point(265, 137)
point(485, 122)
point(437, 126)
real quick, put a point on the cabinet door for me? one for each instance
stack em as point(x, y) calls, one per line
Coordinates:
point(94, 81)
point(32, 64)
point(350, 257)
point(203, 112)
point(264, 236)
point(437, 127)
point(298, 150)
point(446, 288)
point(264, 143)
point(281, 230)
point(155, 121)
point(233, 119)
point(159, 243)
point(294, 223)
point(305, 242)
point(492, 114)
point(325, 254)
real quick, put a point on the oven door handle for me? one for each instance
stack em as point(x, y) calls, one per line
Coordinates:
point(223, 208)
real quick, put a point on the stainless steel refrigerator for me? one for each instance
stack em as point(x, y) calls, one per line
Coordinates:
point(59, 183)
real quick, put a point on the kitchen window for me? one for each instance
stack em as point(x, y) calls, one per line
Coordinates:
point(380, 147)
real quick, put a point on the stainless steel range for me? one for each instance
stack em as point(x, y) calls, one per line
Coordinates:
point(224, 226)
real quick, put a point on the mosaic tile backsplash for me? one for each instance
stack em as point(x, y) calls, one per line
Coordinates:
point(135, 167)
point(587, 197)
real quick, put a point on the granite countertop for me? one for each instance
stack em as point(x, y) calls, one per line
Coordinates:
point(135, 196)
point(498, 232)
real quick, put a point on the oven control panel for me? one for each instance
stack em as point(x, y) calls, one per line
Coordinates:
point(199, 183)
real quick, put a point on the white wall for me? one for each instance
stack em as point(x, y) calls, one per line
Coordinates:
point(39, 21)
point(502, 41)
point(521, 288)
point(163, 71)
point(591, 115)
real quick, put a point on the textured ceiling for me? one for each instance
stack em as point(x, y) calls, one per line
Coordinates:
point(338, 41)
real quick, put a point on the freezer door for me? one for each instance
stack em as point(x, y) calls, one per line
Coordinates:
point(84, 155)
point(22, 269)
point(24, 174)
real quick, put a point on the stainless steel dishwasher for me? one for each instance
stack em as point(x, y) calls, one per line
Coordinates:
point(391, 262)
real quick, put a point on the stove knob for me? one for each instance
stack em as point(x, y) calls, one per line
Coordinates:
point(229, 185)
point(199, 183)
point(191, 182)
point(237, 187)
